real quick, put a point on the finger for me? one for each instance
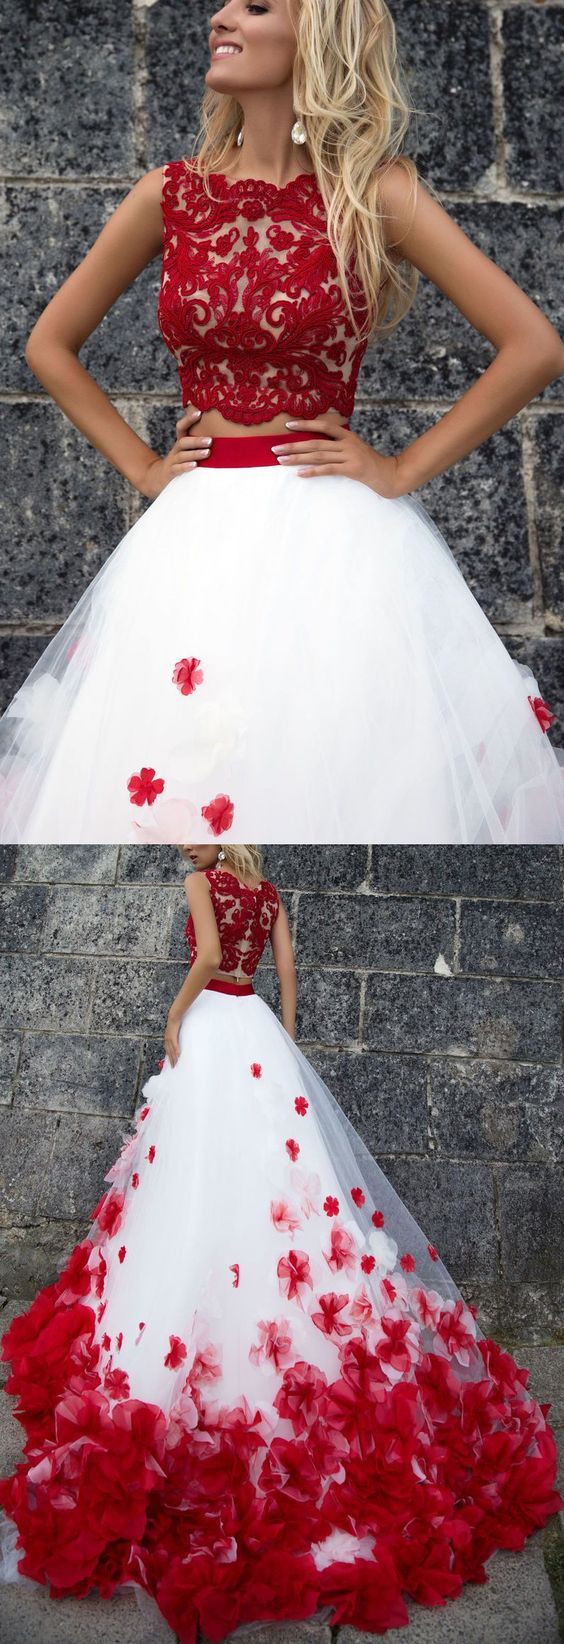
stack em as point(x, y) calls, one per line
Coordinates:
point(328, 468)
point(320, 425)
point(190, 442)
point(321, 453)
point(304, 447)
point(188, 416)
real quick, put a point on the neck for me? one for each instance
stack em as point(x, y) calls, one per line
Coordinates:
point(267, 149)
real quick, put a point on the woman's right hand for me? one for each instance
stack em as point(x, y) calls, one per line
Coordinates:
point(187, 451)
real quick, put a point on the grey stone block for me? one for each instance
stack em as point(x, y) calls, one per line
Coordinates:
point(518, 1313)
point(463, 1017)
point(305, 867)
point(22, 917)
point(77, 517)
point(67, 864)
point(512, 939)
point(497, 1110)
point(44, 992)
point(134, 996)
point(18, 655)
point(8, 859)
point(549, 484)
point(48, 232)
point(531, 1222)
point(85, 118)
point(110, 920)
point(533, 43)
point(515, 1606)
point(375, 931)
point(30, 1255)
point(546, 1364)
point(83, 1149)
point(169, 138)
point(28, 1615)
point(151, 865)
point(454, 1206)
point(479, 507)
point(25, 1161)
point(545, 657)
point(468, 870)
point(435, 353)
point(12, 1437)
point(78, 1073)
point(328, 1007)
point(445, 54)
point(383, 1096)
point(9, 1055)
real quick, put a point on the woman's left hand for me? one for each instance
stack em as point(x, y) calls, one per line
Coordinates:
point(345, 453)
point(171, 1040)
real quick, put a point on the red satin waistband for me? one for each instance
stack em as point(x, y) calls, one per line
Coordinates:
point(218, 986)
point(252, 450)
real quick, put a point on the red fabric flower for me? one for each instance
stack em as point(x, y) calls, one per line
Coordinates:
point(161, 1063)
point(367, 1263)
point(378, 1218)
point(407, 1261)
point(176, 1353)
point(327, 1320)
point(432, 1253)
point(301, 1105)
point(542, 712)
point(106, 1343)
point(294, 1275)
point(141, 1326)
point(299, 1398)
point(274, 1343)
point(331, 1205)
point(110, 1215)
point(283, 1215)
point(219, 813)
point(116, 1383)
point(122, 1253)
point(256, 1070)
point(144, 1112)
point(187, 674)
point(292, 1148)
point(358, 1197)
point(235, 1269)
point(119, 1340)
point(151, 1154)
point(135, 1179)
point(144, 786)
point(343, 1252)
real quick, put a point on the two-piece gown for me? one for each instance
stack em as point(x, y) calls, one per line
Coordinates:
point(254, 1393)
point(263, 655)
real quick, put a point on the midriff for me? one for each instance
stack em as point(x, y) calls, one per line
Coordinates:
point(212, 422)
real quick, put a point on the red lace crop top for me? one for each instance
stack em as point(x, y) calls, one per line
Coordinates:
point(244, 919)
point(250, 303)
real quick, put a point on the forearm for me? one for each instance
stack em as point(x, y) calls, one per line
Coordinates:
point(86, 405)
point(509, 382)
point(198, 976)
point(288, 1000)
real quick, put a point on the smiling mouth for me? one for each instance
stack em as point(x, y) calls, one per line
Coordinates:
point(226, 51)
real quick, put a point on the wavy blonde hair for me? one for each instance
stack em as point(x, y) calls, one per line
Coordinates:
point(350, 96)
point(245, 861)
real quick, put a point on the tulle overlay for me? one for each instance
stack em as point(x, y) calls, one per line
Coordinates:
point(274, 657)
point(254, 1392)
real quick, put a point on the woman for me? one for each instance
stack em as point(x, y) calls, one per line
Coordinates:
point(254, 1392)
point(257, 655)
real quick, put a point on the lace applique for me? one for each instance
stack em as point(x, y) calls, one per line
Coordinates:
point(250, 303)
point(244, 919)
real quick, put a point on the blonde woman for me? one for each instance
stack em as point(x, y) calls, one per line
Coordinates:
point(283, 645)
point(254, 1391)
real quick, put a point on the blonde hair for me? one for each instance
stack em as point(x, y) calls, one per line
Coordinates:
point(245, 861)
point(350, 96)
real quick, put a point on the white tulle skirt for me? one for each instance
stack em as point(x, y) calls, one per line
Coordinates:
point(254, 1392)
point(272, 657)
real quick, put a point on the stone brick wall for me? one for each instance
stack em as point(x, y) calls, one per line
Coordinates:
point(430, 1002)
point(97, 95)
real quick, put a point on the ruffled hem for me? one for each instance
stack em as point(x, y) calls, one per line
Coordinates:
point(375, 1493)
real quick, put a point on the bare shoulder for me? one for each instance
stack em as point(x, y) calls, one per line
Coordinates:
point(399, 189)
point(196, 887)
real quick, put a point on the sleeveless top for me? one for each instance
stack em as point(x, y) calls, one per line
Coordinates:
point(244, 918)
point(249, 302)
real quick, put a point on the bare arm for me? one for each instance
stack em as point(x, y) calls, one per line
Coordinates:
point(530, 353)
point(282, 948)
point(130, 240)
point(208, 958)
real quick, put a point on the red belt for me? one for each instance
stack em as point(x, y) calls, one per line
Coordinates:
point(220, 986)
point(252, 450)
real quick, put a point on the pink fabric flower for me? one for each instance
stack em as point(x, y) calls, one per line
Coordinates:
point(187, 674)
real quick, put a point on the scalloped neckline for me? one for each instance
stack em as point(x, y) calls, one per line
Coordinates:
point(229, 875)
point(258, 182)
